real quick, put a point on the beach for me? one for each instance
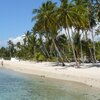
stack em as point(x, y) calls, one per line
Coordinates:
point(88, 74)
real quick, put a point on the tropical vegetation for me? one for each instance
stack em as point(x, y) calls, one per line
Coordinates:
point(61, 33)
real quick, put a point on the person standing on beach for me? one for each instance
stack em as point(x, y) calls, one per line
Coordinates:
point(1, 63)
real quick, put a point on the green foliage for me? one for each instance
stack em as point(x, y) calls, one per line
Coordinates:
point(4, 52)
point(98, 50)
point(53, 59)
point(44, 43)
point(40, 57)
point(98, 57)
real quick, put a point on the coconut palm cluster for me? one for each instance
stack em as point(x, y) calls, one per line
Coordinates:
point(63, 31)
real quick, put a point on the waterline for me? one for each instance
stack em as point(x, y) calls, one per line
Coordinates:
point(17, 86)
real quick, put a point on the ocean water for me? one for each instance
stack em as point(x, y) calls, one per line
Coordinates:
point(18, 86)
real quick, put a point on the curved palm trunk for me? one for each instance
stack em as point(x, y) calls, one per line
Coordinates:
point(47, 36)
point(56, 48)
point(82, 58)
point(69, 49)
point(44, 47)
point(59, 54)
point(91, 29)
point(77, 64)
point(65, 56)
point(43, 51)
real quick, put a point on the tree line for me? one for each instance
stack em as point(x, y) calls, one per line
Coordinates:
point(62, 33)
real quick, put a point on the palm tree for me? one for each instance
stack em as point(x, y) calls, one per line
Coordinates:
point(18, 45)
point(11, 48)
point(65, 15)
point(38, 29)
point(45, 15)
point(26, 37)
point(73, 15)
point(61, 43)
point(92, 23)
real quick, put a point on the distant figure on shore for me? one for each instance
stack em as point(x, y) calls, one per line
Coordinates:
point(1, 63)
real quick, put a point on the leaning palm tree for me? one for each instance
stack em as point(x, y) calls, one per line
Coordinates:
point(38, 29)
point(68, 17)
point(72, 16)
point(45, 15)
point(92, 23)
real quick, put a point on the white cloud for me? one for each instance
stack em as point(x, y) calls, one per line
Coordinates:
point(4, 43)
point(17, 39)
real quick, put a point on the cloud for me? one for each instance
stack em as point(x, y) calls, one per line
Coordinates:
point(4, 43)
point(17, 39)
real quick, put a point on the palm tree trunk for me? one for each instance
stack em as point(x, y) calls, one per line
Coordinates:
point(69, 49)
point(46, 50)
point(81, 52)
point(94, 55)
point(77, 64)
point(82, 58)
point(62, 51)
point(91, 55)
point(59, 54)
point(43, 51)
point(44, 47)
point(56, 48)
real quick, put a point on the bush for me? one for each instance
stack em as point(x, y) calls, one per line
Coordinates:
point(7, 58)
point(98, 57)
point(53, 59)
point(39, 57)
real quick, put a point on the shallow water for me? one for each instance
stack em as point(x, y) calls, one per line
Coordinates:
point(17, 86)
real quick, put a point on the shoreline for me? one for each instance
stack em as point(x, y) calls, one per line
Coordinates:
point(89, 76)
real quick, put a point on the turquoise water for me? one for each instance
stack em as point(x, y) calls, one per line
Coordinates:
point(17, 86)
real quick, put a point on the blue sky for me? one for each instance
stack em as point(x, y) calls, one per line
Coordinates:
point(15, 17)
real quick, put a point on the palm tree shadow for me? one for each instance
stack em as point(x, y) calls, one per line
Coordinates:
point(95, 65)
point(85, 66)
point(82, 66)
point(59, 66)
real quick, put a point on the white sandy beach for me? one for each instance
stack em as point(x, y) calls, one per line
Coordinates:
point(88, 74)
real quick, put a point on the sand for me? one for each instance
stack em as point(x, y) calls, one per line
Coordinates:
point(88, 73)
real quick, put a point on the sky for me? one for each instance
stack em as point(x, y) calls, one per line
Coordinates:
point(15, 18)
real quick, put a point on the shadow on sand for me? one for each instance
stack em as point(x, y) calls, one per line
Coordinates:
point(82, 65)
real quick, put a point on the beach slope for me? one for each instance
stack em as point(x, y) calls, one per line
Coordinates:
point(88, 74)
